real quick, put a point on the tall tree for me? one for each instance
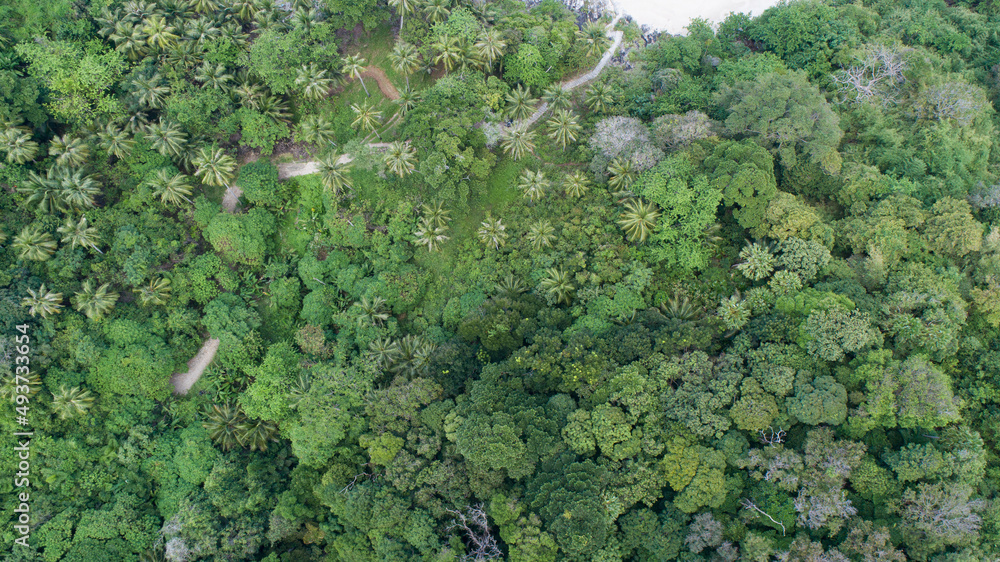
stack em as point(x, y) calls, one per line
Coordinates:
point(405, 59)
point(353, 65)
point(214, 167)
point(563, 127)
point(95, 302)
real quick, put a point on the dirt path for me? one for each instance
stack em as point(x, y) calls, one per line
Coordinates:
point(196, 366)
point(616, 41)
point(232, 198)
point(292, 169)
point(388, 89)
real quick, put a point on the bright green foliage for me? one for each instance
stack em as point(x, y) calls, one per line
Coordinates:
point(526, 67)
point(755, 410)
point(259, 182)
point(688, 204)
point(787, 216)
point(241, 238)
point(276, 57)
point(830, 334)
point(789, 115)
point(79, 79)
point(744, 173)
point(703, 392)
point(493, 443)
point(758, 261)
point(696, 473)
point(818, 401)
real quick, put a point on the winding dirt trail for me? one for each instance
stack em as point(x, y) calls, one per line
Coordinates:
point(616, 41)
point(386, 86)
point(196, 366)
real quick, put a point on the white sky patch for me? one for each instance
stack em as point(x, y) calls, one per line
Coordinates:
point(673, 16)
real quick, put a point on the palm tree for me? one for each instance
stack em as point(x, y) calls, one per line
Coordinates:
point(412, 356)
point(576, 184)
point(510, 286)
point(214, 76)
point(168, 139)
point(205, 6)
point(34, 244)
point(250, 95)
point(383, 350)
point(79, 233)
point(563, 127)
point(256, 434)
point(557, 284)
point(366, 117)
point(556, 97)
point(43, 192)
point(436, 214)
point(595, 37)
point(399, 158)
point(639, 219)
point(518, 141)
point(156, 292)
point(436, 10)
point(274, 108)
point(223, 425)
point(42, 302)
point(599, 97)
point(18, 146)
point(115, 141)
point(245, 10)
point(69, 151)
point(333, 171)
point(152, 93)
point(492, 232)
point(352, 66)
point(8, 388)
point(405, 58)
point(449, 52)
point(403, 8)
point(490, 46)
point(95, 303)
point(129, 40)
point(533, 184)
point(520, 104)
point(76, 190)
point(407, 100)
point(71, 402)
point(214, 167)
point(430, 234)
point(623, 174)
point(373, 311)
point(758, 261)
point(304, 19)
point(159, 33)
point(170, 188)
point(313, 81)
point(541, 234)
point(315, 129)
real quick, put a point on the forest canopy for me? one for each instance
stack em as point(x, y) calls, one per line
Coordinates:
point(438, 280)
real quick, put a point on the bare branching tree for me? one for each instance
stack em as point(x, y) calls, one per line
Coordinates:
point(875, 78)
point(750, 506)
point(772, 437)
point(473, 524)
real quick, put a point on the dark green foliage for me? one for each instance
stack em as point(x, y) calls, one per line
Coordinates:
point(765, 328)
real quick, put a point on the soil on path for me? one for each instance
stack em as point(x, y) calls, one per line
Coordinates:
point(384, 84)
point(292, 169)
point(196, 366)
point(232, 198)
